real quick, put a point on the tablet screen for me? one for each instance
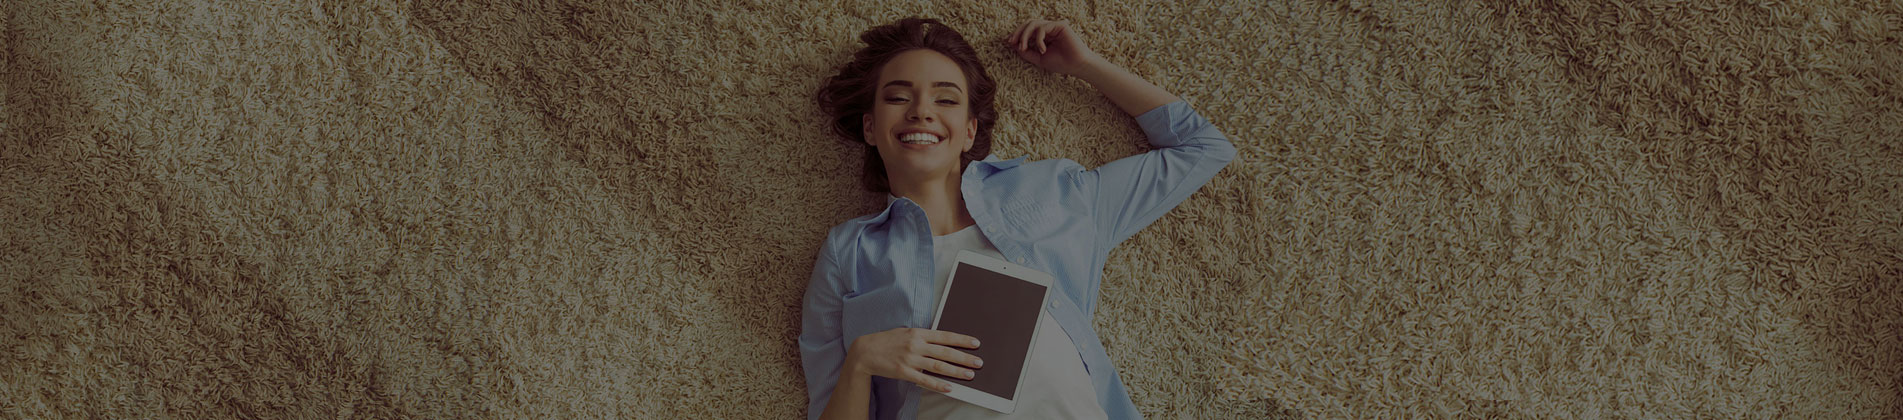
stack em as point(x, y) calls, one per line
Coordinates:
point(1001, 312)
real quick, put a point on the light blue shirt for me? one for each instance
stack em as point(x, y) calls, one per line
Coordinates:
point(875, 272)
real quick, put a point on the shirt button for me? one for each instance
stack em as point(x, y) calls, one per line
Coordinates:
point(1020, 260)
point(1056, 304)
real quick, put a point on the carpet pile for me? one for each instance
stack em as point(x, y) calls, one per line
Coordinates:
point(558, 209)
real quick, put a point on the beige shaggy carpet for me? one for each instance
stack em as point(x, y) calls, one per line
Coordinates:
point(376, 209)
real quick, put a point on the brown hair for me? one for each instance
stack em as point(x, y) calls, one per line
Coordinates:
point(847, 96)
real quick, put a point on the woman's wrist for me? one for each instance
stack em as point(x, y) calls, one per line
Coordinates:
point(1124, 88)
point(851, 391)
point(852, 366)
point(1095, 69)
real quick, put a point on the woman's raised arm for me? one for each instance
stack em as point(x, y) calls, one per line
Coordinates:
point(1055, 47)
point(1132, 192)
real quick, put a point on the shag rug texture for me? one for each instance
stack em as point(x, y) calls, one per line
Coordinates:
point(596, 209)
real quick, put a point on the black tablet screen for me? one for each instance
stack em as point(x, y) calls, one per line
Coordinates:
point(1002, 313)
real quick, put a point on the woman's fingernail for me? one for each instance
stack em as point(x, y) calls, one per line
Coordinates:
point(974, 343)
point(981, 363)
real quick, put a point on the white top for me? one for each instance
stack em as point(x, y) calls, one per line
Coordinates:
point(1055, 384)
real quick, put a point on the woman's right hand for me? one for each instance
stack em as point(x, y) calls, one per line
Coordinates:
point(907, 353)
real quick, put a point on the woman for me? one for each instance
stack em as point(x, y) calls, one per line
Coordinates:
point(920, 101)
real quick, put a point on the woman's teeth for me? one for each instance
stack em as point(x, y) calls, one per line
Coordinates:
point(919, 138)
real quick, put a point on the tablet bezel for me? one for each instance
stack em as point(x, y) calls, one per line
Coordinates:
point(1008, 269)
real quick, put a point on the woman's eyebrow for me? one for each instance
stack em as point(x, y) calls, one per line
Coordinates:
point(908, 83)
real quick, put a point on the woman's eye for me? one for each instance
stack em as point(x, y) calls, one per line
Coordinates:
point(947, 102)
point(894, 100)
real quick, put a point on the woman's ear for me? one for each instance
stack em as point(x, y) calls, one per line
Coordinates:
point(865, 129)
point(971, 134)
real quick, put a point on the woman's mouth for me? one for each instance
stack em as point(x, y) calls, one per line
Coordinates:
point(926, 139)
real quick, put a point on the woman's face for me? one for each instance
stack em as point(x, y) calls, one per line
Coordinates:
point(920, 121)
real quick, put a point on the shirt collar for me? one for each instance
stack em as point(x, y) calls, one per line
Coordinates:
point(993, 162)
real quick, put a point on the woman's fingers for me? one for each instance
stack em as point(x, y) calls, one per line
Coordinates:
point(1042, 29)
point(919, 377)
point(947, 369)
point(951, 339)
point(952, 355)
point(1032, 34)
point(1021, 36)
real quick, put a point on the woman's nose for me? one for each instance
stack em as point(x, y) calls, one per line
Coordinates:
point(920, 112)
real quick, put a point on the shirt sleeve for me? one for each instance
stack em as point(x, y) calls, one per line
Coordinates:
point(822, 352)
point(1132, 192)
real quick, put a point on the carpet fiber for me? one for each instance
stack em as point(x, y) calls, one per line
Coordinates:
point(604, 209)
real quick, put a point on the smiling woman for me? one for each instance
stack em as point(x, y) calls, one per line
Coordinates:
point(920, 101)
point(917, 48)
point(921, 126)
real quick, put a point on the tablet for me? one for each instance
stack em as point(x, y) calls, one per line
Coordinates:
point(999, 303)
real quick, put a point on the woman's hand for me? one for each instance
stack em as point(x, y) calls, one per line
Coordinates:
point(1054, 47)
point(907, 353)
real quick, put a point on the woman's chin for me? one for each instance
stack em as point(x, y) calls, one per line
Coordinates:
point(923, 166)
